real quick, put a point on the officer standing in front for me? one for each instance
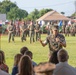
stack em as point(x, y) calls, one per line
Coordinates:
point(10, 29)
point(56, 41)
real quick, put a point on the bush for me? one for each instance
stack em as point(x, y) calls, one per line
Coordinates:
point(4, 28)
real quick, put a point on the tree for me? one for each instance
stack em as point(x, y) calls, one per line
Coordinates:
point(33, 15)
point(63, 13)
point(6, 5)
point(11, 10)
point(36, 14)
point(74, 15)
point(16, 13)
point(43, 11)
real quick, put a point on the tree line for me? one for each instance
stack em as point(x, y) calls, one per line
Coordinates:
point(13, 12)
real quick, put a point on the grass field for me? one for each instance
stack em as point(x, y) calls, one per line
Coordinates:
point(40, 54)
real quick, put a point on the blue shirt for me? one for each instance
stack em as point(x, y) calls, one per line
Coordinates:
point(14, 70)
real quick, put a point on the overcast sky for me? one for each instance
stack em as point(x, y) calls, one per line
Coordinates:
point(67, 6)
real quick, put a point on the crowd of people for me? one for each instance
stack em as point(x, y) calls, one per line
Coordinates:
point(67, 29)
point(23, 64)
point(58, 57)
point(34, 30)
point(24, 30)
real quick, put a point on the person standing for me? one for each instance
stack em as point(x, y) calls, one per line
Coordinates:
point(23, 30)
point(0, 29)
point(55, 41)
point(72, 30)
point(10, 29)
point(32, 31)
point(37, 31)
point(17, 29)
point(67, 30)
point(48, 28)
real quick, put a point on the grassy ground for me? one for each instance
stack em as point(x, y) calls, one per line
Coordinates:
point(40, 54)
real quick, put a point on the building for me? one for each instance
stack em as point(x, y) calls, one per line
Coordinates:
point(3, 17)
point(53, 16)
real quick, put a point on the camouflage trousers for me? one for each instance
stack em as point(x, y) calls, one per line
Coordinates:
point(10, 35)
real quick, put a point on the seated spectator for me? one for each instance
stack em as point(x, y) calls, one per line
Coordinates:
point(44, 69)
point(23, 50)
point(30, 54)
point(16, 61)
point(25, 66)
point(3, 73)
point(53, 57)
point(63, 68)
point(3, 66)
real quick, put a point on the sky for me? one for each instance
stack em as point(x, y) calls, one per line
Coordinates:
point(67, 6)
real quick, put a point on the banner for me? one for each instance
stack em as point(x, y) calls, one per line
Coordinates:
point(69, 23)
point(60, 25)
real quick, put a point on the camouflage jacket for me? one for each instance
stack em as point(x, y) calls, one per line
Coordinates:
point(53, 45)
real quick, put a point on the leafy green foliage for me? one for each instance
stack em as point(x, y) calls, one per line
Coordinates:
point(6, 5)
point(36, 14)
point(11, 10)
point(43, 11)
point(63, 13)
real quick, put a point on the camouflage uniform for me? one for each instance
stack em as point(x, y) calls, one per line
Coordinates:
point(49, 29)
point(17, 30)
point(27, 31)
point(72, 30)
point(75, 27)
point(23, 34)
point(31, 32)
point(67, 30)
point(63, 28)
point(10, 29)
point(38, 31)
point(54, 46)
point(0, 30)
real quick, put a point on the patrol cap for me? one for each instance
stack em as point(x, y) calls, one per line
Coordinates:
point(55, 27)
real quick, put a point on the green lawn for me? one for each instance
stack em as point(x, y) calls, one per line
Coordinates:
point(40, 54)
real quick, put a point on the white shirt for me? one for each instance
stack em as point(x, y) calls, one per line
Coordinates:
point(3, 73)
point(63, 68)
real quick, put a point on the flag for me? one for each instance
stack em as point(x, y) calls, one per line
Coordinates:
point(60, 23)
point(69, 23)
point(60, 26)
point(0, 22)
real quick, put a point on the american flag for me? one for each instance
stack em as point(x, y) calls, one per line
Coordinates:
point(0, 22)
